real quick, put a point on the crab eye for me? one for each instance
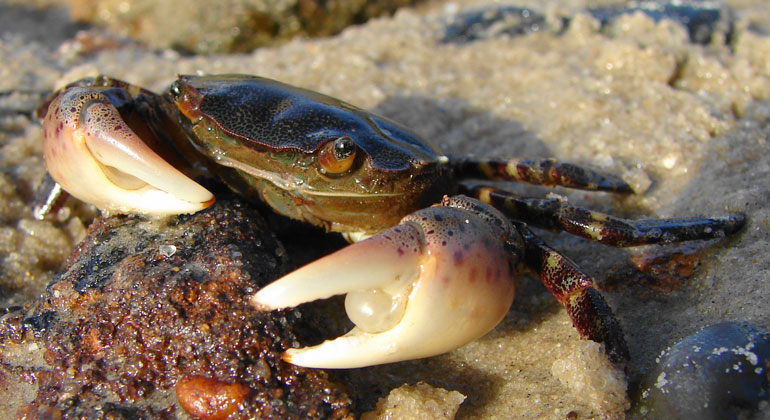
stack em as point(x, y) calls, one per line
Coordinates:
point(337, 156)
point(175, 89)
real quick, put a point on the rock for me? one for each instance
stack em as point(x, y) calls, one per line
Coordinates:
point(151, 319)
point(720, 372)
point(701, 18)
point(478, 24)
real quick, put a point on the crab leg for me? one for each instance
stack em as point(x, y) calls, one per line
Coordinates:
point(440, 279)
point(549, 172)
point(94, 155)
point(602, 227)
point(590, 314)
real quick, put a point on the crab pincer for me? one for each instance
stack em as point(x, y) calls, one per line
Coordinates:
point(440, 279)
point(98, 158)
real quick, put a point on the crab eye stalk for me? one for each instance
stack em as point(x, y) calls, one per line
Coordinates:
point(337, 156)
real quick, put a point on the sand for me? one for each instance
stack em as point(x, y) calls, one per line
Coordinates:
point(684, 123)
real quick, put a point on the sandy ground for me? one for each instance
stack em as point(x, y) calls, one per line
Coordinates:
point(684, 122)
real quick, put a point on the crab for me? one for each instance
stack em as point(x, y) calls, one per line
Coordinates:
point(435, 251)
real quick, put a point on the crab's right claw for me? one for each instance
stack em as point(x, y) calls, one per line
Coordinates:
point(440, 279)
point(96, 157)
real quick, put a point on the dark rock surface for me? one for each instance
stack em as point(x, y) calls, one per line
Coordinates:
point(720, 372)
point(151, 319)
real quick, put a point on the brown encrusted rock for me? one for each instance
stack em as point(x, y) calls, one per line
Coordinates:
point(153, 313)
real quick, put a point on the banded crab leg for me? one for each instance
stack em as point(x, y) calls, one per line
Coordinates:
point(437, 281)
point(601, 227)
point(98, 158)
point(547, 172)
point(590, 314)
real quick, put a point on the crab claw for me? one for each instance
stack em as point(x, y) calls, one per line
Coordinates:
point(440, 279)
point(96, 157)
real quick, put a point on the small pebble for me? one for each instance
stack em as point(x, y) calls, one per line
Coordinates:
point(206, 398)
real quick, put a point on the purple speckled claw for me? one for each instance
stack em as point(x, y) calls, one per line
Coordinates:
point(439, 280)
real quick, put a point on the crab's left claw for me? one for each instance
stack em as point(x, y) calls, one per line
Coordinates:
point(440, 279)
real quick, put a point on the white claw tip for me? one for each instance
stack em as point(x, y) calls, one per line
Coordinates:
point(257, 301)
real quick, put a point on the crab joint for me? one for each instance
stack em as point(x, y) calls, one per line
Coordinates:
point(439, 280)
point(96, 157)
